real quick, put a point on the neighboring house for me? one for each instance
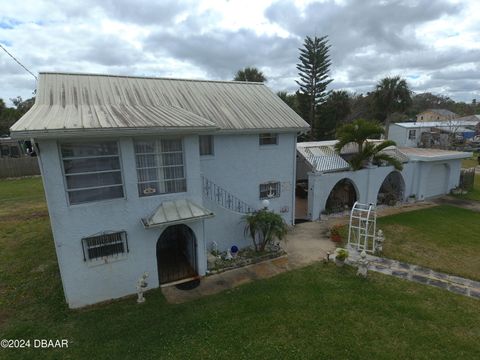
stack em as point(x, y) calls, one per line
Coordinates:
point(11, 148)
point(436, 115)
point(330, 186)
point(412, 134)
point(147, 174)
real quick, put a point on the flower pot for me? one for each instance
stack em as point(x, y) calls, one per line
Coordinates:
point(339, 263)
point(336, 238)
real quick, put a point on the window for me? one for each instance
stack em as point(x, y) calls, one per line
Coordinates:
point(92, 171)
point(160, 166)
point(105, 245)
point(268, 139)
point(206, 145)
point(411, 134)
point(269, 190)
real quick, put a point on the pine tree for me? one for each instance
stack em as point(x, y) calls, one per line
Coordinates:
point(313, 71)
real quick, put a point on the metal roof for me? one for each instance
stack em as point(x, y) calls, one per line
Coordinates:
point(176, 212)
point(421, 154)
point(443, 112)
point(438, 124)
point(73, 104)
point(322, 156)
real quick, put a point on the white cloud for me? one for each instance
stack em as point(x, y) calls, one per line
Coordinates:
point(433, 44)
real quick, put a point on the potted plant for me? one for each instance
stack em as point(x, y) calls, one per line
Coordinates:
point(340, 257)
point(335, 235)
point(411, 198)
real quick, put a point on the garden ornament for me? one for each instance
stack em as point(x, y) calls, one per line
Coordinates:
point(362, 265)
point(141, 286)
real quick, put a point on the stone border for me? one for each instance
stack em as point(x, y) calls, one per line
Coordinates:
point(419, 274)
point(250, 261)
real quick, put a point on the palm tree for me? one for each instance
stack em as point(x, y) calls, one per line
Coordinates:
point(359, 132)
point(263, 226)
point(250, 74)
point(391, 95)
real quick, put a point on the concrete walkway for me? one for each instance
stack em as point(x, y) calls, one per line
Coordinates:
point(306, 243)
point(416, 273)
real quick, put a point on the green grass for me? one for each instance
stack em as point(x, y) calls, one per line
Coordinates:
point(470, 162)
point(317, 312)
point(444, 238)
point(475, 193)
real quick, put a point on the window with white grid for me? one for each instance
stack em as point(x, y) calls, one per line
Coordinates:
point(269, 190)
point(268, 139)
point(92, 171)
point(160, 166)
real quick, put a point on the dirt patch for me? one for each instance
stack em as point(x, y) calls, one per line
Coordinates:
point(24, 217)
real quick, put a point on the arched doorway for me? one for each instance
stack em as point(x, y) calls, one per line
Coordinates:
point(342, 196)
point(392, 189)
point(176, 254)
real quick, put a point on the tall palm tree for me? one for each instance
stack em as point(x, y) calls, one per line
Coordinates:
point(392, 95)
point(250, 74)
point(359, 132)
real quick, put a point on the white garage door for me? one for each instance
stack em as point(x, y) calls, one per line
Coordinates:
point(437, 180)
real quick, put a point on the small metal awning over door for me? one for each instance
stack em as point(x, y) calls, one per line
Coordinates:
point(176, 212)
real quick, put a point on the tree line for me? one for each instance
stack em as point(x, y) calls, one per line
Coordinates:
point(9, 115)
point(391, 100)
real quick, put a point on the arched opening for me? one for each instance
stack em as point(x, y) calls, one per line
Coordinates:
point(392, 189)
point(342, 196)
point(176, 254)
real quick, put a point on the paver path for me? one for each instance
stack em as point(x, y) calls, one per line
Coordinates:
point(418, 274)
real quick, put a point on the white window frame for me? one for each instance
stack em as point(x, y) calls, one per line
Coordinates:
point(158, 153)
point(262, 137)
point(65, 175)
point(211, 145)
point(274, 186)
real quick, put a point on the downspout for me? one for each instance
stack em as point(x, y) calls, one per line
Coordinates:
point(294, 180)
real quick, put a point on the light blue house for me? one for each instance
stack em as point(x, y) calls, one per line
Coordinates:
point(144, 174)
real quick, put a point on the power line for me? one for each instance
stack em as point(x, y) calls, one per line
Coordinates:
point(18, 62)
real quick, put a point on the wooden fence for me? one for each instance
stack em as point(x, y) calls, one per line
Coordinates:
point(17, 167)
point(467, 178)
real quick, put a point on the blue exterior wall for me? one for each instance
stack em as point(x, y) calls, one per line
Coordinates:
point(239, 166)
point(367, 183)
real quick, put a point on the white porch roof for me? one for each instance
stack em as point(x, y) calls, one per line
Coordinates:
point(176, 212)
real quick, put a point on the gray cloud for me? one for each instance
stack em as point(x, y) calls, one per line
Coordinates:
point(369, 39)
point(221, 54)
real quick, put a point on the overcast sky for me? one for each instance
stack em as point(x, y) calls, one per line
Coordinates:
point(434, 44)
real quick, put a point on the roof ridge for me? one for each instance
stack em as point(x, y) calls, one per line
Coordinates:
point(150, 77)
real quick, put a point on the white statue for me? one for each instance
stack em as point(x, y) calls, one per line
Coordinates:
point(141, 286)
point(362, 265)
point(379, 241)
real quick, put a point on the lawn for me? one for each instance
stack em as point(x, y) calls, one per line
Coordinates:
point(317, 312)
point(444, 238)
point(470, 162)
point(475, 193)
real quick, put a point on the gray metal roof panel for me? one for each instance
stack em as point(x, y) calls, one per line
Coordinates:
point(75, 101)
point(175, 212)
